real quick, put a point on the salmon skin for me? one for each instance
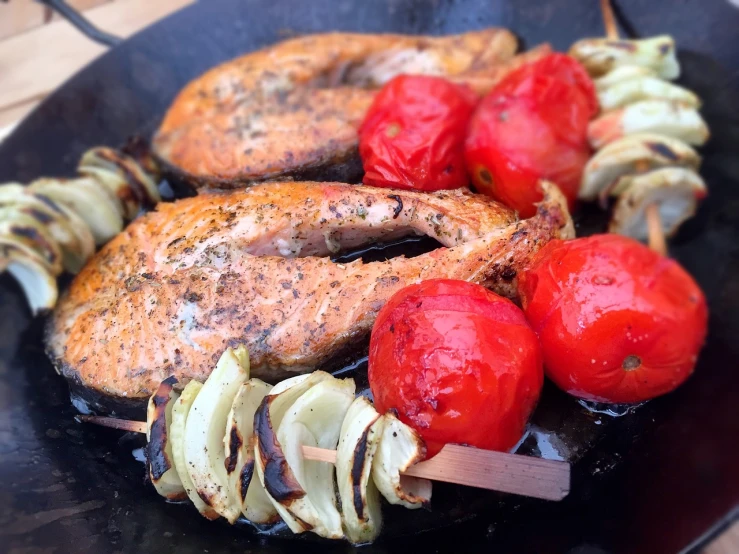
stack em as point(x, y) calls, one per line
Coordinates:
point(170, 293)
point(292, 110)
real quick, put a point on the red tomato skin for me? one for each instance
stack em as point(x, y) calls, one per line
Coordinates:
point(510, 146)
point(532, 126)
point(459, 363)
point(561, 67)
point(617, 321)
point(413, 135)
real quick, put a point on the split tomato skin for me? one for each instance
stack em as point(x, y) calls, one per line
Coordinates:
point(413, 134)
point(458, 363)
point(617, 322)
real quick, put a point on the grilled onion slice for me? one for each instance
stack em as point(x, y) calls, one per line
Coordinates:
point(315, 419)
point(601, 55)
point(115, 186)
point(273, 470)
point(122, 176)
point(627, 92)
point(29, 231)
point(360, 499)
point(239, 443)
point(180, 410)
point(205, 429)
point(83, 247)
point(66, 228)
point(400, 447)
point(32, 274)
point(86, 199)
point(675, 190)
point(162, 471)
point(621, 75)
point(649, 116)
point(631, 154)
point(9, 190)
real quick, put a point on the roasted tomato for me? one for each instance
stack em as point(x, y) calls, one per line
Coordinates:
point(617, 321)
point(459, 363)
point(413, 134)
point(510, 147)
point(532, 126)
point(560, 67)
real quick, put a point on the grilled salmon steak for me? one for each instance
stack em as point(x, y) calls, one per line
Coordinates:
point(179, 285)
point(292, 110)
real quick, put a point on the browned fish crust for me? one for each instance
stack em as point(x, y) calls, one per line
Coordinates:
point(170, 293)
point(292, 110)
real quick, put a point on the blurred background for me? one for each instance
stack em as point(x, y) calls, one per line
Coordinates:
point(39, 50)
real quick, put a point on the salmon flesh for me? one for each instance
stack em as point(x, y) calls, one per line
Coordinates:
point(180, 284)
point(292, 110)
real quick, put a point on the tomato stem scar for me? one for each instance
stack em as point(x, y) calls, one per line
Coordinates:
point(631, 363)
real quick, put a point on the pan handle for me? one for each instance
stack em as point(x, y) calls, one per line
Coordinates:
point(81, 23)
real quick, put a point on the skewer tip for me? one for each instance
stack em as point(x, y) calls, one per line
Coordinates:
point(609, 19)
point(113, 423)
point(657, 240)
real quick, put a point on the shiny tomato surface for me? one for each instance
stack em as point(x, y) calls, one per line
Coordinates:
point(511, 146)
point(413, 134)
point(532, 126)
point(617, 321)
point(556, 66)
point(459, 363)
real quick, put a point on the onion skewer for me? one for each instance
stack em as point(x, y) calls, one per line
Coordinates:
point(210, 441)
point(53, 225)
point(657, 240)
point(484, 469)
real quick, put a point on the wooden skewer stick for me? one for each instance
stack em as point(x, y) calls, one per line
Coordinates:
point(655, 231)
point(463, 465)
point(609, 20)
point(114, 423)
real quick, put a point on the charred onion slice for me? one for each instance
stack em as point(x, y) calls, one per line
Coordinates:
point(94, 188)
point(12, 244)
point(31, 273)
point(125, 178)
point(180, 411)
point(627, 92)
point(635, 153)
point(675, 190)
point(87, 201)
point(29, 231)
point(272, 468)
point(239, 442)
point(315, 419)
point(649, 116)
point(206, 427)
point(621, 75)
point(66, 228)
point(116, 186)
point(162, 471)
point(85, 242)
point(360, 499)
point(601, 55)
point(400, 447)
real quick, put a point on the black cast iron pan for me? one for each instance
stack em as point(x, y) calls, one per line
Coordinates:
point(660, 478)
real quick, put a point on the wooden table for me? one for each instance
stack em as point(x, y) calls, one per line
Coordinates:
point(39, 51)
